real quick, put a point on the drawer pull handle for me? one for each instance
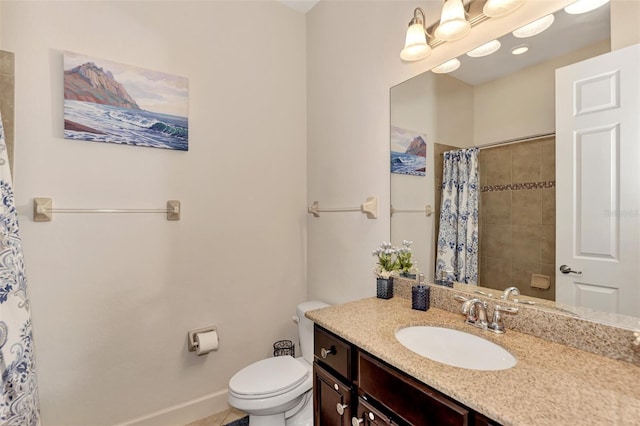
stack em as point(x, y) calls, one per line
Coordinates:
point(324, 353)
point(340, 408)
point(356, 421)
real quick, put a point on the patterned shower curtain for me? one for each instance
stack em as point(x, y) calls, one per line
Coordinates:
point(458, 235)
point(19, 399)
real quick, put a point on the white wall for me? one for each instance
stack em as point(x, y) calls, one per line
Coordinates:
point(523, 103)
point(113, 296)
point(350, 70)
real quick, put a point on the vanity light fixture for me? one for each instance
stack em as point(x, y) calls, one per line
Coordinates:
point(498, 8)
point(584, 6)
point(485, 50)
point(535, 27)
point(453, 22)
point(415, 45)
point(519, 50)
point(447, 67)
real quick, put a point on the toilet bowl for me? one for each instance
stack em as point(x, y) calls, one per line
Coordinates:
point(277, 391)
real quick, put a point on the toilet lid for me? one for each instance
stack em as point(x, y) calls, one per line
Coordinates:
point(269, 376)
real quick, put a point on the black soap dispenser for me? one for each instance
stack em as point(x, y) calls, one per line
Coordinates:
point(420, 295)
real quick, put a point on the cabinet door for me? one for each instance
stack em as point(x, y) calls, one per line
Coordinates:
point(331, 399)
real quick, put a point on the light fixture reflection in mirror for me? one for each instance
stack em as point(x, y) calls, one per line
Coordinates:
point(447, 67)
point(497, 8)
point(584, 6)
point(534, 28)
point(485, 49)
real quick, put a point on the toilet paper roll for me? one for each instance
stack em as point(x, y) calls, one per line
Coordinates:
point(207, 342)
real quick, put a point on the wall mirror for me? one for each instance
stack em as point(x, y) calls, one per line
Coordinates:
point(486, 102)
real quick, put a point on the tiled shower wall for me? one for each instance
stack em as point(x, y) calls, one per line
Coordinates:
point(517, 216)
point(7, 90)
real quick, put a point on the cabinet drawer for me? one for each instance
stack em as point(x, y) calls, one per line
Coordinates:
point(368, 415)
point(332, 351)
point(415, 403)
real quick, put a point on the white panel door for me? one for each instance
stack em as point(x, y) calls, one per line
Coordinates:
point(598, 182)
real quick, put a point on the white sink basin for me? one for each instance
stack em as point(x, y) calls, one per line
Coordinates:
point(455, 348)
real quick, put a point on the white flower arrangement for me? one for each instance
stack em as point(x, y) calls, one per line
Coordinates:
point(392, 259)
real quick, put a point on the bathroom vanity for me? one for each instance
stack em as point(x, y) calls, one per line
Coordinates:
point(363, 375)
point(354, 387)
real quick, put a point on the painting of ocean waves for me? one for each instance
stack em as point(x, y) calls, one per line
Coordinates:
point(104, 123)
point(106, 101)
point(408, 152)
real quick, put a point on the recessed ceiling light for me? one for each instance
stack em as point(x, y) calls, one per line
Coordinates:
point(584, 6)
point(448, 66)
point(485, 49)
point(535, 27)
point(519, 50)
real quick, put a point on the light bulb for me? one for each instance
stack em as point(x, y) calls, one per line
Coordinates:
point(453, 24)
point(415, 46)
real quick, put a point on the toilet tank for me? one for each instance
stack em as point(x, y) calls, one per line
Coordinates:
point(305, 328)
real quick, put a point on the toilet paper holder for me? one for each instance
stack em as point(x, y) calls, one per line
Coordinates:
point(192, 345)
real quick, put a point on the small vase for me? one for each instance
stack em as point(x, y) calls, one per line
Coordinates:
point(384, 288)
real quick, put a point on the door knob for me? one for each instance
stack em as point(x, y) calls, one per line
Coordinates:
point(567, 269)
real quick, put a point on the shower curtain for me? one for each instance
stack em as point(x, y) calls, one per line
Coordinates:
point(458, 235)
point(19, 399)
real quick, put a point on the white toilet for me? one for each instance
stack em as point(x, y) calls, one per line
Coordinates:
point(278, 391)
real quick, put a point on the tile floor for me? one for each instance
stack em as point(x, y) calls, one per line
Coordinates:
point(219, 419)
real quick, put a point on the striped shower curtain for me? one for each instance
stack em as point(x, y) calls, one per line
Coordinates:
point(19, 399)
point(458, 235)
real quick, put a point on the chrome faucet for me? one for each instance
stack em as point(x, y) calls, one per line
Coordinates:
point(509, 291)
point(476, 312)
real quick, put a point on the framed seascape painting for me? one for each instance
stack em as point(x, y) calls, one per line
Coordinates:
point(408, 152)
point(107, 101)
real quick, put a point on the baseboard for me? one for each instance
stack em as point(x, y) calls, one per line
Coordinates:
point(187, 412)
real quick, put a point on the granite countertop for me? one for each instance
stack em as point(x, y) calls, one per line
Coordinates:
point(551, 384)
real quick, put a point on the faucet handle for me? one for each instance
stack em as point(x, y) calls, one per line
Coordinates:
point(497, 326)
point(460, 298)
point(509, 309)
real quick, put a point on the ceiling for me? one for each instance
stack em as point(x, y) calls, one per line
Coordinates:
point(566, 34)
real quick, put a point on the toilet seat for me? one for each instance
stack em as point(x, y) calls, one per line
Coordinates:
point(268, 378)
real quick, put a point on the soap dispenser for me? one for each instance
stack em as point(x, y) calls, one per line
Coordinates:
point(420, 294)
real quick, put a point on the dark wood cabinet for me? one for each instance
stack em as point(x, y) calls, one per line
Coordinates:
point(411, 401)
point(353, 387)
point(331, 399)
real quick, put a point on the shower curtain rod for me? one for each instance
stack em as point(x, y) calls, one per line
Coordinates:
point(516, 140)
